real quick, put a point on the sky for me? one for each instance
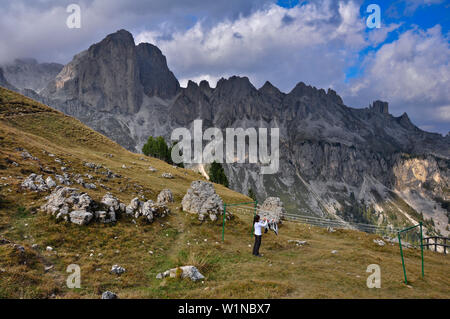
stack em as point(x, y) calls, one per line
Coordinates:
point(323, 43)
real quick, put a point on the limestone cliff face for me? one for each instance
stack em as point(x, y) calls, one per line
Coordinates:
point(29, 74)
point(104, 77)
point(4, 82)
point(335, 160)
point(155, 76)
point(114, 75)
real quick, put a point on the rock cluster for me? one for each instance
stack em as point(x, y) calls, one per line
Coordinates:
point(149, 209)
point(70, 205)
point(201, 199)
point(167, 175)
point(26, 155)
point(272, 208)
point(36, 182)
point(184, 272)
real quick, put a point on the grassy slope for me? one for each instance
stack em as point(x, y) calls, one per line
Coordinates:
point(286, 271)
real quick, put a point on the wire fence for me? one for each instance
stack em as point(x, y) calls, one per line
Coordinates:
point(325, 222)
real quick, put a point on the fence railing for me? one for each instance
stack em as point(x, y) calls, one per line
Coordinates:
point(436, 243)
point(325, 222)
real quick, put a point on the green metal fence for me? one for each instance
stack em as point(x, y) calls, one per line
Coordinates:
point(401, 249)
point(255, 203)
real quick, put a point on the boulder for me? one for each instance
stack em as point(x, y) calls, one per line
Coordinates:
point(50, 182)
point(272, 208)
point(167, 175)
point(113, 206)
point(109, 295)
point(165, 197)
point(80, 217)
point(116, 269)
point(201, 199)
point(184, 271)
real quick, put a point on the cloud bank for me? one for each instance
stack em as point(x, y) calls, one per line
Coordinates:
point(316, 42)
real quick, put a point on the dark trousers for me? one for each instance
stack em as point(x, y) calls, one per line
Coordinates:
point(257, 245)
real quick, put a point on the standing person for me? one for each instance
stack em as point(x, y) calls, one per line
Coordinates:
point(258, 234)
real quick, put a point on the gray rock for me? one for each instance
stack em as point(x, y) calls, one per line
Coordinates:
point(201, 199)
point(50, 182)
point(116, 269)
point(26, 155)
point(113, 204)
point(167, 175)
point(80, 217)
point(272, 208)
point(109, 295)
point(90, 186)
point(297, 242)
point(165, 197)
point(187, 272)
point(379, 242)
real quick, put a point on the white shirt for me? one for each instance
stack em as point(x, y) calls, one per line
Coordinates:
point(258, 227)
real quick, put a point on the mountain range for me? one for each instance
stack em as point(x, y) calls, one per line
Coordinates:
point(362, 165)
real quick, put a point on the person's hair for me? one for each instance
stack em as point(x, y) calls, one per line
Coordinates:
point(256, 219)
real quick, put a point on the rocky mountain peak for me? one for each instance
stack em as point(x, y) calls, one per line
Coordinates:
point(234, 87)
point(380, 107)
point(28, 73)
point(29, 61)
point(301, 89)
point(405, 121)
point(204, 85)
point(269, 89)
point(155, 76)
point(114, 74)
point(120, 37)
point(334, 96)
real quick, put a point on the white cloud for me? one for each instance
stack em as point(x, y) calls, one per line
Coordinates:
point(443, 114)
point(413, 74)
point(313, 43)
point(416, 67)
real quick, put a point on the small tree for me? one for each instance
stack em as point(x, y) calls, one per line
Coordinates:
point(217, 174)
point(251, 194)
point(157, 147)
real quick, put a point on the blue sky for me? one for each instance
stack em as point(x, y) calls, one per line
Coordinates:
point(324, 43)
